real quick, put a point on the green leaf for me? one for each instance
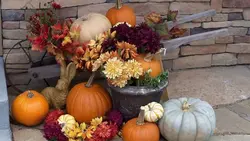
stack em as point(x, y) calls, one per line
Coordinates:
point(172, 15)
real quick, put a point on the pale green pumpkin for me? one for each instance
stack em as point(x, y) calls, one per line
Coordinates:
point(187, 119)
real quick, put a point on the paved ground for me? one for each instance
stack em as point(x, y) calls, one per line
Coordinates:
point(226, 88)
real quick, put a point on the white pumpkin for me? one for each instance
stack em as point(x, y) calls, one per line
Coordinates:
point(67, 122)
point(187, 119)
point(91, 25)
point(153, 111)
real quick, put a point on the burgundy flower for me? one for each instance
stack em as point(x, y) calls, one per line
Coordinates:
point(115, 116)
point(53, 132)
point(56, 5)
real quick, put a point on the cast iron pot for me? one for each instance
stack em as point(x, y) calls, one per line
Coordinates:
point(128, 100)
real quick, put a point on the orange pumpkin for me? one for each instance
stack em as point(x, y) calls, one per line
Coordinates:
point(121, 13)
point(153, 64)
point(86, 103)
point(138, 130)
point(30, 108)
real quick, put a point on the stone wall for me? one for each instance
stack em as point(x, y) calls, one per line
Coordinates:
point(231, 14)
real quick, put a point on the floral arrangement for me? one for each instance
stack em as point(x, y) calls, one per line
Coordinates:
point(63, 127)
point(113, 52)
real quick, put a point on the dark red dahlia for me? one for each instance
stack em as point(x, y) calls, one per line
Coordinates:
point(123, 32)
point(56, 5)
point(115, 116)
point(146, 40)
point(53, 132)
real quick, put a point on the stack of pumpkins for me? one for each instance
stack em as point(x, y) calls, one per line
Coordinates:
point(180, 119)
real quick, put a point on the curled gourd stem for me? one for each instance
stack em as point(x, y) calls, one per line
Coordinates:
point(185, 106)
point(91, 79)
point(140, 119)
point(148, 57)
point(30, 94)
point(118, 4)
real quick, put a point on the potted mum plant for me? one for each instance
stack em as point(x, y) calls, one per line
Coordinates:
point(131, 62)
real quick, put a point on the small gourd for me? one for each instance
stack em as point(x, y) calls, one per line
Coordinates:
point(66, 121)
point(153, 111)
point(187, 119)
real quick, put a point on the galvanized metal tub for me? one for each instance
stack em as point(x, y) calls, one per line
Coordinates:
point(129, 99)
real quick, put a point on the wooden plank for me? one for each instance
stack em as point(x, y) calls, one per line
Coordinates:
point(186, 19)
point(44, 72)
point(176, 43)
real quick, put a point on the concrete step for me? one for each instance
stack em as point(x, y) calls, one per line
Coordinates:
point(5, 135)
point(5, 132)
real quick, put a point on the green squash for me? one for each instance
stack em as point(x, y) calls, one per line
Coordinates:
point(187, 119)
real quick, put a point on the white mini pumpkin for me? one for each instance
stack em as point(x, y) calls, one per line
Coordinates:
point(187, 119)
point(153, 111)
point(66, 121)
point(91, 25)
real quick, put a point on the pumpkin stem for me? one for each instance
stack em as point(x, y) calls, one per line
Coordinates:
point(30, 94)
point(118, 4)
point(140, 119)
point(148, 57)
point(91, 79)
point(185, 106)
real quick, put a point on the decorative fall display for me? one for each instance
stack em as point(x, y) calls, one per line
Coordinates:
point(30, 108)
point(86, 101)
point(56, 96)
point(91, 25)
point(187, 119)
point(121, 13)
point(138, 130)
point(153, 112)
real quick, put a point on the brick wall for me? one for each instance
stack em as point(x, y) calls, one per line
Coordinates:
point(231, 14)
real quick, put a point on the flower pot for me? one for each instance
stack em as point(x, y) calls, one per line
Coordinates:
point(129, 99)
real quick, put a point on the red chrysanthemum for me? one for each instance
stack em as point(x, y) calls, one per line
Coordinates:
point(53, 116)
point(105, 131)
point(53, 132)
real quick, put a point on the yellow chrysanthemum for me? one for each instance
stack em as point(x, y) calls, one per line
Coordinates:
point(74, 133)
point(133, 68)
point(113, 68)
point(83, 126)
point(88, 133)
point(67, 40)
point(96, 121)
point(120, 81)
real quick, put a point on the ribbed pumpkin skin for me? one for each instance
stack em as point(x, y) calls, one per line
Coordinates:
point(147, 132)
point(154, 65)
point(30, 111)
point(124, 14)
point(85, 103)
point(197, 124)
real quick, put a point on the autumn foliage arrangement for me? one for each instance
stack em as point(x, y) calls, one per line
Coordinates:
point(113, 52)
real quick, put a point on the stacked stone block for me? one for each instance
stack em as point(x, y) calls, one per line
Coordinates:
point(220, 51)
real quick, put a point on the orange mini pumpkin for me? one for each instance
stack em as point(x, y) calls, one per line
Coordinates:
point(138, 130)
point(86, 101)
point(121, 13)
point(154, 64)
point(30, 108)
